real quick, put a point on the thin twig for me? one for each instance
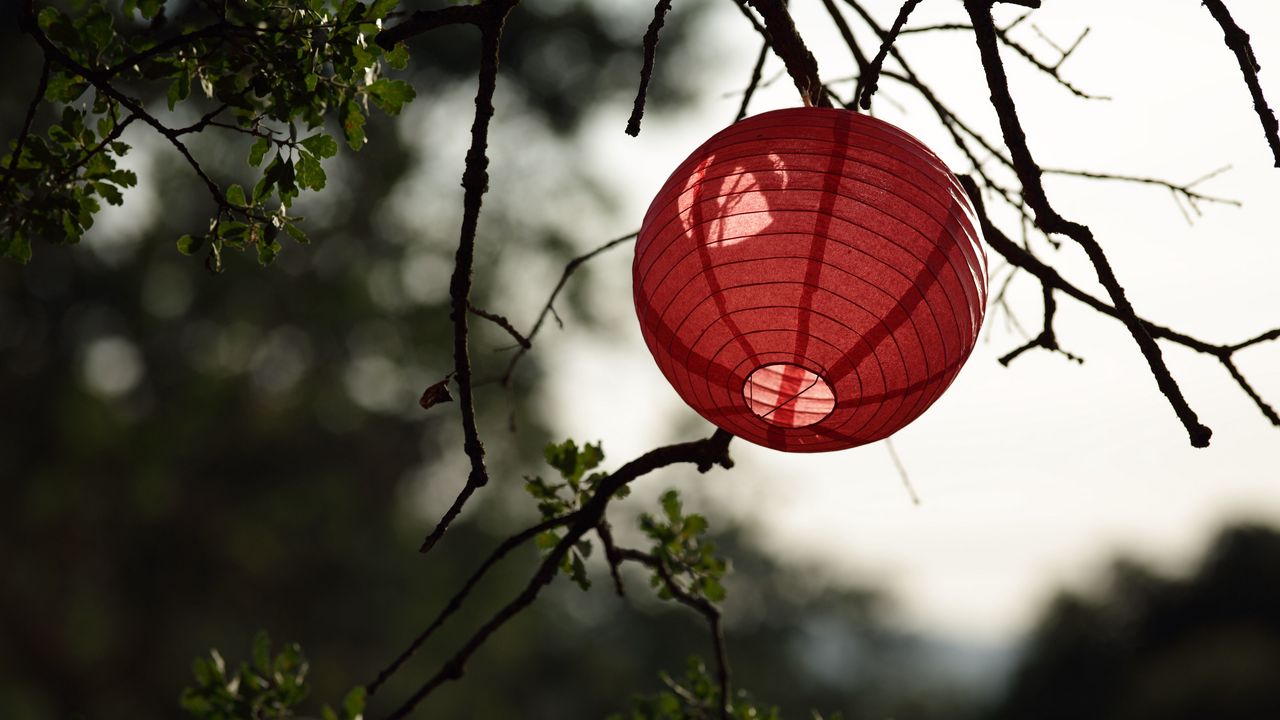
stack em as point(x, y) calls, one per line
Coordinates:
point(41, 85)
point(455, 602)
point(646, 71)
point(1048, 219)
point(872, 80)
point(704, 454)
point(709, 612)
point(549, 307)
point(1238, 40)
point(754, 83)
point(475, 181)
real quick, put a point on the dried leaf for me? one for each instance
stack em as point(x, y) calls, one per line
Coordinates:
point(434, 394)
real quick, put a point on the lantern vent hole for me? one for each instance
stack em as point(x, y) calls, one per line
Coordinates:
point(788, 395)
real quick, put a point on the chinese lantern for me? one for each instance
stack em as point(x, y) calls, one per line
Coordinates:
point(810, 279)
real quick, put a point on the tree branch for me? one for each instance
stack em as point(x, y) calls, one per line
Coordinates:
point(704, 454)
point(41, 85)
point(475, 181)
point(1238, 40)
point(549, 307)
point(787, 43)
point(872, 79)
point(1029, 174)
point(1049, 277)
point(709, 612)
point(646, 71)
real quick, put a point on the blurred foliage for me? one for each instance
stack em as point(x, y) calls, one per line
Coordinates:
point(1157, 648)
point(270, 688)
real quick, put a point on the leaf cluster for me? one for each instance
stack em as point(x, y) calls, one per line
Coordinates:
point(557, 499)
point(696, 696)
point(268, 688)
point(266, 70)
point(690, 559)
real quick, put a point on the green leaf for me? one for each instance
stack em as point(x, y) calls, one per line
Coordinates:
point(380, 8)
point(296, 233)
point(546, 540)
point(109, 193)
point(258, 151)
point(321, 145)
point(309, 172)
point(353, 703)
point(189, 244)
point(398, 56)
point(353, 125)
point(150, 8)
point(261, 650)
point(391, 95)
point(671, 505)
point(179, 89)
point(235, 196)
point(19, 248)
point(267, 251)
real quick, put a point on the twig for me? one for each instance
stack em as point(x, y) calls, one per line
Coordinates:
point(859, 58)
point(549, 309)
point(704, 607)
point(475, 181)
point(1238, 40)
point(1183, 190)
point(1018, 256)
point(501, 322)
point(36, 99)
point(872, 79)
point(902, 472)
point(704, 454)
point(754, 83)
point(646, 71)
point(455, 602)
point(1029, 174)
point(787, 43)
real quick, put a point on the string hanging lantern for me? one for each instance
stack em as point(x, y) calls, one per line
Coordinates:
point(810, 279)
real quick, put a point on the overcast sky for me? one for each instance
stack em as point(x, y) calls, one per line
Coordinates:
point(1032, 477)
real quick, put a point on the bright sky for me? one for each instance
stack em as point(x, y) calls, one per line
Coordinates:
point(1032, 477)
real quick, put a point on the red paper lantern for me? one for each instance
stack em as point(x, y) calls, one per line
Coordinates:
point(810, 279)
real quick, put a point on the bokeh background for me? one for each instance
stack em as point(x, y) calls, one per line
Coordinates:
point(188, 458)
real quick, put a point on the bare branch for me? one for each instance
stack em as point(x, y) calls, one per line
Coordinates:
point(872, 79)
point(1238, 40)
point(549, 308)
point(1019, 257)
point(787, 43)
point(1029, 174)
point(702, 453)
point(754, 83)
point(646, 71)
point(475, 181)
point(455, 602)
point(501, 322)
